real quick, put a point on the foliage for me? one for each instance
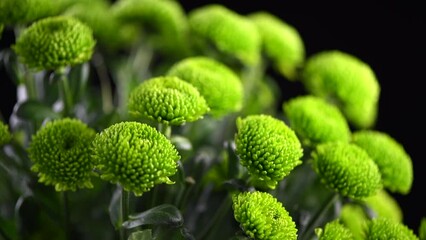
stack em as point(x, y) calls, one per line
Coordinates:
point(141, 121)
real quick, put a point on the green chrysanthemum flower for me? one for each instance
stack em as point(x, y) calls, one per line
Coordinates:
point(282, 43)
point(168, 100)
point(136, 156)
point(262, 216)
point(231, 33)
point(316, 121)
point(60, 154)
point(422, 229)
point(55, 42)
point(5, 135)
point(25, 11)
point(347, 169)
point(268, 148)
point(384, 229)
point(108, 31)
point(354, 218)
point(334, 230)
point(346, 81)
point(384, 205)
point(164, 21)
point(219, 85)
point(394, 163)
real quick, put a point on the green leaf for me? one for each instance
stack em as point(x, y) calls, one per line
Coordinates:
point(165, 214)
point(35, 110)
point(181, 143)
point(141, 235)
point(114, 209)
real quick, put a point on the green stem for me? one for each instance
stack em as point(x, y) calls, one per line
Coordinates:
point(105, 83)
point(307, 232)
point(125, 202)
point(67, 224)
point(219, 214)
point(65, 92)
point(165, 129)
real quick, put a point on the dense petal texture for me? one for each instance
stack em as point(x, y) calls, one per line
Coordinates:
point(231, 33)
point(217, 83)
point(61, 154)
point(282, 43)
point(384, 205)
point(55, 42)
point(135, 155)
point(267, 147)
point(262, 216)
point(334, 230)
point(347, 169)
point(15, 12)
point(394, 163)
point(316, 121)
point(347, 82)
point(384, 229)
point(168, 100)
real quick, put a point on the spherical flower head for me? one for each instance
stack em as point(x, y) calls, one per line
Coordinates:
point(108, 31)
point(16, 12)
point(334, 230)
point(282, 43)
point(382, 228)
point(217, 83)
point(316, 121)
point(394, 163)
point(168, 100)
point(232, 34)
point(135, 155)
point(55, 42)
point(164, 22)
point(60, 154)
point(354, 218)
point(268, 148)
point(422, 228)
point(346, 81)
point(262, 216)
point(347, 169)
point(384, 205)
point(5, 135)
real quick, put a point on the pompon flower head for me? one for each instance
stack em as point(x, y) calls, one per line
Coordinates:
point(382, 228)
point(164, 20)
point(135, 155)
point(347, 82)
point(217, 83)
point(282, 43)
point(232, 34)
point(354, 218)
point(334, 230)
point(394, 163)
point(347, 169)
point(268, 148)
point(316, 121)
point(61, 156)
point(168, 100)
point(5, 135)
point(262, 216)
point(108, 31)
point(55, 42)
point(384, 205)
point(18, 12)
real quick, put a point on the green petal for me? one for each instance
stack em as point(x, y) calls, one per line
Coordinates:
point(334, 230)
point(5, 135)
point(383, 229)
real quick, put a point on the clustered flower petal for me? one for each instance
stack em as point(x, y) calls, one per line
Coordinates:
point(316, 121)
point(267, 147)
point(384, 205)
point(55, 42)
point(334, 230)
point(282, 43)
point(347, 169)
point(217, 83)
point(5, 135)
point(262, 216)
point(394, 163)
point(232, 34)
point(382, 228)
point(347, 82)
point(61, 156)
point(25, 11)
point(135, 155)
point(168, 100)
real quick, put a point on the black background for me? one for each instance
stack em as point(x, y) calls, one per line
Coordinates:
point(388, 36)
